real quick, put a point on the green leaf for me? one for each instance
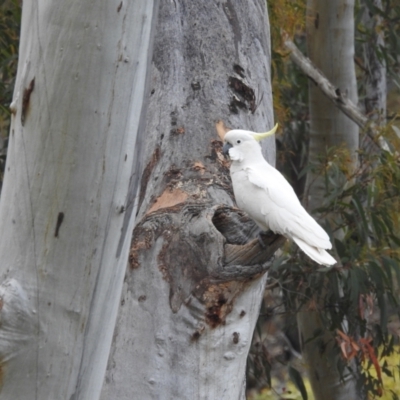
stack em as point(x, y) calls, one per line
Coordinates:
point(360, 210)
point(340, 248)
point(389, 262)
point(394, 395)
point(298, 381)
point(377, 225)
point(377, 276)
point(354, 285)
point(305, 170)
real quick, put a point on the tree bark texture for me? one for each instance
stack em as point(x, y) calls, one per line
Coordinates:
point(64, 214)
point(330, 42)
point(192, 293)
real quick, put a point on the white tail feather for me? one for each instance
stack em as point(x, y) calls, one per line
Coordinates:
point(318, 255)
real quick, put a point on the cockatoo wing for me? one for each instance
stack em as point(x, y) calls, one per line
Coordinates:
point(282, 209)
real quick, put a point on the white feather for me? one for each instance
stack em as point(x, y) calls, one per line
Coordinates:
point(319, 255)
point(264, 193)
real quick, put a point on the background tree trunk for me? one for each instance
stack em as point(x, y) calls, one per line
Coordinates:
point(63, 238)
point(187, 314)
point(330, 42)
point(330, 45)
point(374, 64)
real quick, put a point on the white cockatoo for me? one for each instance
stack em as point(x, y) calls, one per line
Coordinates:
point(267, 197)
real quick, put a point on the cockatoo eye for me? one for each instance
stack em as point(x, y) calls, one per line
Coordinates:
point(238, 141)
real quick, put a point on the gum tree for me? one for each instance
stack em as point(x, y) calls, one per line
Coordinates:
point(64, 210)
point(193, 288)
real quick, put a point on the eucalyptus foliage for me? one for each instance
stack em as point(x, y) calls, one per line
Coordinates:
point(357, 299)
point(10, 17)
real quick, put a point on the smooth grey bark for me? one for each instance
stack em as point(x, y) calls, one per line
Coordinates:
point(330, 42)
point(190, 302)
point(330, 45)
point(64, 236)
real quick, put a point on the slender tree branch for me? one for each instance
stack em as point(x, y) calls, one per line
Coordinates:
point(335, 94)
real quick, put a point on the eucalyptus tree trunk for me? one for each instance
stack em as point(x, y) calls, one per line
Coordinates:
point(330, 41)
point(374, 64)
point(190, 299)
point(64, 237)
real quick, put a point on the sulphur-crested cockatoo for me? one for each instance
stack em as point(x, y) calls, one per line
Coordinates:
point(267, 197)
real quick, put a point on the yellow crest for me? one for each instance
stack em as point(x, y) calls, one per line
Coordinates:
point(260, 136)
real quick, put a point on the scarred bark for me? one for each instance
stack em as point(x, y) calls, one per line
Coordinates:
point(193, 290)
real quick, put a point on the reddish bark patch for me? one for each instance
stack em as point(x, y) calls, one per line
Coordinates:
point(25, 100)
point(142, 240)
point(221, 129)
point(217, 156)
point(163, 267)
point(199, 166)
point(147, 173)
point(178, 131)
point(169, 198)
point(173, 176)
point(162, 256)
point(214, 316)
point(197, 333)
point(218, 299)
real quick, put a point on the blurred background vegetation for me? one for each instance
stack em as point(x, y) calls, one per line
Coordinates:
point(367, 213)
point(10, 17)
point(359, 302)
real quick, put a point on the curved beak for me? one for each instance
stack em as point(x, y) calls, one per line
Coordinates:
point(225, 149)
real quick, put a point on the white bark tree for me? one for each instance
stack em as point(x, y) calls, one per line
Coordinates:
point(65, 220)
point(330, 42)
point(190, 299)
